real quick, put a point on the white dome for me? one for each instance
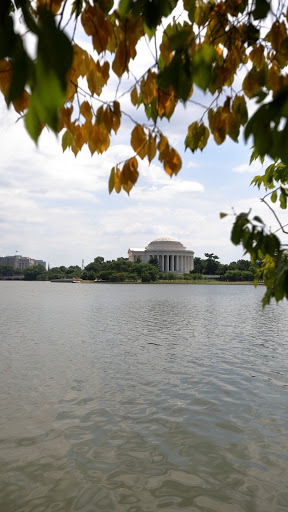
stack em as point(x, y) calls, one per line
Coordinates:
point(165, 243)
point(164, 239)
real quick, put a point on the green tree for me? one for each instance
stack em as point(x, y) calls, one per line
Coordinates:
point(211, 264)
point(73, 271)
point(35, 272)
point(56, 273)
point(154, 261)
point(6, 270)
point(169, 276)
point(199, 266)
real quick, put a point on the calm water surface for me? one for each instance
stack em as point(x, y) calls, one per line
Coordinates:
point(138, 398)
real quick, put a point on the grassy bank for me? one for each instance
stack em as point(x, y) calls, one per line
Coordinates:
point(176, 281)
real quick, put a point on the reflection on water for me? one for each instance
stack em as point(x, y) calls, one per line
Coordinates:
point(134, 398)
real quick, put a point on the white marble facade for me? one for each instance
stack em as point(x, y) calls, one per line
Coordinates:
point(172, 255)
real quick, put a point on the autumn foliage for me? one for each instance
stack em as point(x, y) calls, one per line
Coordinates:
point(209, 46)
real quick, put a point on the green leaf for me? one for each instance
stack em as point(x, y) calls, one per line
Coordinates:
point(33, 124)
point(197, 137)
point(21, 66)
point(179, 40)
point(283, 201)
point(190, 6)
point(125, 7)
point(54, 47)
point(152, 111)
point(261, 10)
point(258, 219)
point(77, 8)
point(48, 87)
point(7, 38)
point(240, 109)
point(48, 95)
point(178, 74)
point(274, 196)
point(202, 62)
point(67, 140)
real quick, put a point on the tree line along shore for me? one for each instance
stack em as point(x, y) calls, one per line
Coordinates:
point(122, 270)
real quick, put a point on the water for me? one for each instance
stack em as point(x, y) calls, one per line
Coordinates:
point(137, 398)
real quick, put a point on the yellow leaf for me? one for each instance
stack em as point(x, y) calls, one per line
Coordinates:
point(85, 110)
point(151, 147)
point(233, 126)
point(78, 139)
point(163, 148)
point(98, 26)
point(134, 96)
point(217, 123)
point(217, 23)
point(138, 141)
point(257, 56)
point(273, 78)
point(71, 87)
point(116, 116)
point(5, 75)
point(99, 139)
point(276, 35)
point(95, 78)
point(166, 53)
point(129, 174)
point(149, 87)
point(117, 180)
point(52, 5)
point(222, 215)
point(172, 164)
point(120, 63)
point(111, 180)
point(104, 70)
point(65, 114)
point(166, 102)
point(108, 119)
point(201, 13)
point(116, 108)
point(22, 103)
point(253, 81)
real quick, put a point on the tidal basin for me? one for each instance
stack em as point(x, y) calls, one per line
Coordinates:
point(137, 398)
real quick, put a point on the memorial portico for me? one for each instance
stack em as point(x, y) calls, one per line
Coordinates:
point(172, 255)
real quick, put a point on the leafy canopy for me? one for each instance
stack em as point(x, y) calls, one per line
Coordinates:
point(205, 48)
point(234, 51)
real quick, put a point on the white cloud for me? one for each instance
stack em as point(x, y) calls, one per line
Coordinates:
point(254, 168)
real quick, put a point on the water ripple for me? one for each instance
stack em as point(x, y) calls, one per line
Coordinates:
point(139, 398)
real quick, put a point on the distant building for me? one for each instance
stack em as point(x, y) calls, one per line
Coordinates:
point(171, 254)
point(41, 262)
point(19, 261)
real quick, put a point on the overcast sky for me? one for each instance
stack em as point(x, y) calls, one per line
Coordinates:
point(56, 207)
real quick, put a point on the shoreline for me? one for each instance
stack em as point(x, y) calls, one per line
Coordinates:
point(250, 283)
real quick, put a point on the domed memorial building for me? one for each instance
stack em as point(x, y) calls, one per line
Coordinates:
point(172, 255)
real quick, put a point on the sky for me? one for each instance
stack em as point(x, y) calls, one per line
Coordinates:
point(57, 208)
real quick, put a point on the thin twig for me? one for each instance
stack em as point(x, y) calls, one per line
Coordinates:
point(262, 199)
